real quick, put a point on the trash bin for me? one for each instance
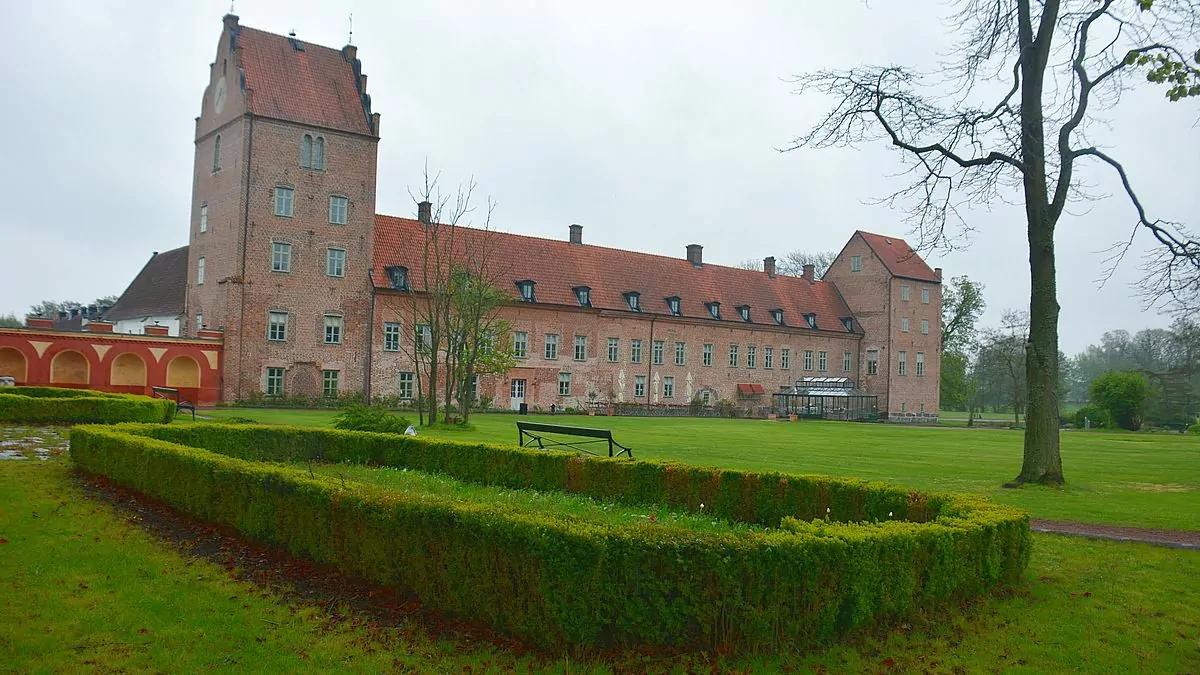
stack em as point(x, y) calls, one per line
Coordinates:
point(524, 410)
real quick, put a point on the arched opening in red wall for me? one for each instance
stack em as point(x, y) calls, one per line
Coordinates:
point(183, 373)
point(69, 367)
point(128, 370)
point(13, 364)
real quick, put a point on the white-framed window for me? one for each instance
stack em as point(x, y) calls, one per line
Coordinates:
point(924, 296)
point(335, 262)
point(680, 354)
point(639, 386)
point(634, 300)
point(872, 361)
point(217, 153)
point(904, 293)
point(526, 289)
point(407, 385)
point(584, 295)
point(329, 383)
point(285, 197)
point(924, 326)
point(777, 314)
point(517, 390)
point(822, 361)
point(919, 361)
point(808, 359)
point(751, 356)
point(706, 397)
point(733, 356)
point(614, 350)
point(199, 320)
point(339, 210)
point(635, 351)
point(785, 359)
point(744, 311)
point(551, 351)
point(707, 352)
point(281, 256)
point(768, 357)
point(564, 384)
point(811, 320)
point(846, 362)
point(904, 324)
point(673, 305)
point(204, 218)
point(391, 336)
point(520, 344)
point(668, 387)
point(856, 263)
point(274, 382)
point(580, 347)
point(200, 270)
point(423, 336)
point(714, 309)
point(901, 363)
point(657, 352)
point(333, 329)
point(277, 326)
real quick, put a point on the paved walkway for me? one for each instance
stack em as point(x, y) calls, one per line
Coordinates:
point(1169, 538)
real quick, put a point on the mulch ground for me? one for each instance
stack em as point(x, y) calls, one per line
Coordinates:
point(1170, 538)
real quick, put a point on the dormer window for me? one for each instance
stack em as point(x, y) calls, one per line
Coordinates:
point(777, 314)
point(584, 295)
point(848, 323)
point(398, 277)
point(714, 309)
point(673, 305)
point(811, 320)
point(635, 300)
point(525, 286)
point(744, 312)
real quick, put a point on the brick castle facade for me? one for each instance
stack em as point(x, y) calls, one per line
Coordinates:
point(287, 255)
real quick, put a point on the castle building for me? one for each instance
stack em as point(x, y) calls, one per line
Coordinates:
point(314, 290)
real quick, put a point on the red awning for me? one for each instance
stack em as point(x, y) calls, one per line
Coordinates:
point(750, 389)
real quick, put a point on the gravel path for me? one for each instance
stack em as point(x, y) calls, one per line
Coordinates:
point(1170, 538)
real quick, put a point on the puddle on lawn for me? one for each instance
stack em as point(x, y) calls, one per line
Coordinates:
point(20, 443)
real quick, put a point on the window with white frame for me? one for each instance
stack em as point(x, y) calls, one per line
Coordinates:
point(733, 356)
point(635, 301)
point(580, 347)
point(924, 296)
point(285, 197)
point(811, 320)
point(333, 329)
point(639, 386)
point(822, 361)
point(785, 358)
point(751, 356)
point(847, 361)
point(635, 351)
point(199, 320)
point(872, 361)
point(335, 262)
point(614, 350)
point(339, 210)
point(564, 384)
point(551, 351)
point(277, 326)
point(668, 387)
point(423, 337)
point(924, 326)
point(526, 289)
point(904, 293)
point(856, 263)
point(673, 305)
point(407, 385)
point(329, 383)
point(714, 309)
point(904, 324)
point(680, 354)
point(808, 359)
point(200, 270)
point(274, 382)
point(391, 336)
point(584, 295)
point(707, 354)
point(901, 363)
point(657, 352)
point(204, 217)
point(281, 257)
point(919, 362)
point(520, 344)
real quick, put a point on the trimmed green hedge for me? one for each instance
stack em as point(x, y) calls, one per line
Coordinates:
point(51, 405)
point(555, 579)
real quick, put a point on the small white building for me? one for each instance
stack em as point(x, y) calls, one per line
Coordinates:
point(155, 297)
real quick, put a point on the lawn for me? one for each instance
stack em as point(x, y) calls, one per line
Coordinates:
point(87, 588)
point(1147, 480)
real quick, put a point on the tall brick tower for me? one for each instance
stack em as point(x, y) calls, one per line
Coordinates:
point(283, 210)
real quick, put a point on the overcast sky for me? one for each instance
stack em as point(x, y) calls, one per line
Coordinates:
point(653, 125)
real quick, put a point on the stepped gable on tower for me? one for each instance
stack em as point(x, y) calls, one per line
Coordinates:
point(557, 267)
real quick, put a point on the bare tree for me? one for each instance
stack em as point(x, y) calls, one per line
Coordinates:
point(1000, 363)
point(965, 147)
point(792, 264)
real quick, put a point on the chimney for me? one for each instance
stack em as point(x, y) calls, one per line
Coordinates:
point(937, 272)
point(156, 330)
point(769, 266)
point(576, 234)
point(100, 327)
point(425, 212)
point(38, 322)
point(695, 254)
point(810, 272)
point(230, 21)
point(210, 333)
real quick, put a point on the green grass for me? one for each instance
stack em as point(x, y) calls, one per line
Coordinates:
point(1147, 480)
point(84, 589)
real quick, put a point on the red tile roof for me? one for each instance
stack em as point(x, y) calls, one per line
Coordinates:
point(316, 86)
point(558, 266)
point(898, 257)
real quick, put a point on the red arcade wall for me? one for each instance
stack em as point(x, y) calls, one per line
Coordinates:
point(105, 361)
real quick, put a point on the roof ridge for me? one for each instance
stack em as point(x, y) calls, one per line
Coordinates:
point(297, 38)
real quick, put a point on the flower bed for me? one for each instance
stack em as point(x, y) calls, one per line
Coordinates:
point(52, 405)
point(556, 577)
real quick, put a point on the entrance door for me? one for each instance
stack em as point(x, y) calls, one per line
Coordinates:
point(517, 394)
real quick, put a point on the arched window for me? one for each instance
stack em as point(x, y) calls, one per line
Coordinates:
point(217, 153)
point(306, 151)
point(318, 154)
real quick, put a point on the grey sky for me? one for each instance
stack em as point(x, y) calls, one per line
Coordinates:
point(652, 124)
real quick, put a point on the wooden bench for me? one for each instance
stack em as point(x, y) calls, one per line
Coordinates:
point(536, 430)
point(172, 394)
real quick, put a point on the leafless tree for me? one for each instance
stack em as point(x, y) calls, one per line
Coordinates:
point(792, 264)
point(1016, 110)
